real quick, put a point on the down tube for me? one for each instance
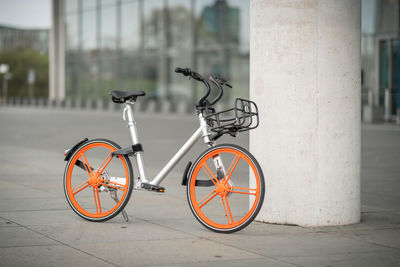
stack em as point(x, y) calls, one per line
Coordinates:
point(177, 157)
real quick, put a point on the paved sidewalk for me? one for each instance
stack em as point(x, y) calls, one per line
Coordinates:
point(37, 227)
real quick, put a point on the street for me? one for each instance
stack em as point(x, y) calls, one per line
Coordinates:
point(38, 228)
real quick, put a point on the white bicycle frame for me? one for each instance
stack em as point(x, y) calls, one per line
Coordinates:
point(201, 132)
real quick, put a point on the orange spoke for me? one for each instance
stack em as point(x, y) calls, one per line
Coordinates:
point(223, 204)
point(86, 164)
point(98, 199)
point(95, 201)
point(212, 177)
point(112, 186)
point(228, 208)
point(104, 162)
point(108, 161)
point(247, 193)
point(235, 161)
point(82, 184)
point(243, 188)
point(114, 183)
point(81, 188)
point(207, 200)
point(230, 166)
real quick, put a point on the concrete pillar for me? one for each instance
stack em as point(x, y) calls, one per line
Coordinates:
point(57, 52)
point(305, 69)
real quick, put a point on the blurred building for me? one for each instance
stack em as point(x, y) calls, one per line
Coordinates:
point(380, 59)
point(25, 53)
point(102, 45)
point(12, 38)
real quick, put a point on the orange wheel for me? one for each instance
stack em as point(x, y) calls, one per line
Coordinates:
point(225, 188)
point(97, 185)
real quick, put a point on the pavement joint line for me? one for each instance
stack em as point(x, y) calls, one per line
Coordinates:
point(208, 261)
point(355, 230)
point(16, 173)
point(12, 198)
point(2, 211)
point(28, 246)
point(31, 187)
point(357, 238)
point(383, 245)
point(60, 242)
point(336, 254)
point(214, 241)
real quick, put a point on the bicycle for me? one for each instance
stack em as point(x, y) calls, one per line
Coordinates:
point(223, 200)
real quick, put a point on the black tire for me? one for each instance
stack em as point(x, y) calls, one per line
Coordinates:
point(227, 187)
point(79, 180)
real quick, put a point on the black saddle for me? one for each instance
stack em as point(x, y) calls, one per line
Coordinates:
point(122, 96)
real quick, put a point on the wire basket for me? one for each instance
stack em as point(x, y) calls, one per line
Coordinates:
point(242, 117)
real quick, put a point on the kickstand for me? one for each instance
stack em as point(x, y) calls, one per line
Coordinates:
point(125, 215)
point(114, 196)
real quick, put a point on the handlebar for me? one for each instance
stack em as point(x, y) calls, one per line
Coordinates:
point(189, 72)
point(221, 90)
point(184, 71)
point(198, 77)
point(219, 82)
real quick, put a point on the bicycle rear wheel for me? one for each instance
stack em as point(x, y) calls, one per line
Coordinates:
point(98, 186)
point(235, 194)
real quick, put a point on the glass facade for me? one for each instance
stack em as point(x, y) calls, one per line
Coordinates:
point(136, 45)
point(12, 38)
point(380, 55)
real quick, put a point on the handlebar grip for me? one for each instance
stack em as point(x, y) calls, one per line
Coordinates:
point(184, 71)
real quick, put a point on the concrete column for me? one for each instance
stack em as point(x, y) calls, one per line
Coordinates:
point(57, 52)
point(305, 69)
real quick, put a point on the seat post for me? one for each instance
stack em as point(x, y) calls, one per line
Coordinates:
point(135, 140)
point(128, 111)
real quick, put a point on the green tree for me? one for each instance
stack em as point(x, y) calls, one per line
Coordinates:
point(20, 61)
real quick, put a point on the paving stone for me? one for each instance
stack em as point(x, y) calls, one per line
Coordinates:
point(386, 259)
point(43, 256)
point(149, 252)
point(38, 228)
point(22, 237)
point(82, 232)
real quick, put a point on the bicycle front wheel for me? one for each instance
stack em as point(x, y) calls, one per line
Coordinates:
point(225, 198)
point(96, 184)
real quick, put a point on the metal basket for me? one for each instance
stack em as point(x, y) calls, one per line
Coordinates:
point(242, 117)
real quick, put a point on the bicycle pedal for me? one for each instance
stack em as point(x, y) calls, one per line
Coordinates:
point(151, 187)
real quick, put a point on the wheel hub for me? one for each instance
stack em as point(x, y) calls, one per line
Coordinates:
point(94, 179)
point(222, 188)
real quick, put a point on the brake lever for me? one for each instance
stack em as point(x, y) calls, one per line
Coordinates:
point(222, 81)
